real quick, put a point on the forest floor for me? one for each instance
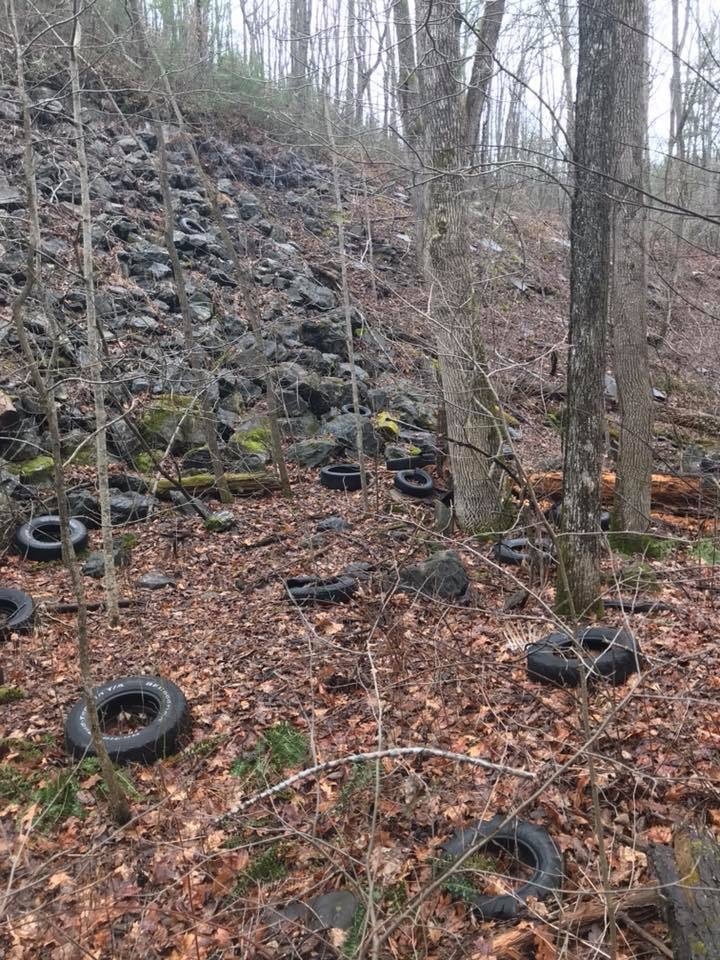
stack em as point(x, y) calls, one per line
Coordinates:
point(311, 684)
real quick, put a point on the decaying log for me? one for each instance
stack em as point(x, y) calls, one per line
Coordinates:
point(689, 419)
point(239, 483)
point(677, 494)
point(512, 944)
point(689, 877)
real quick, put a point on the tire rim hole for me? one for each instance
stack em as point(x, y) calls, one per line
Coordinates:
point(48, 533)
point(499, 869)
point(128, 713)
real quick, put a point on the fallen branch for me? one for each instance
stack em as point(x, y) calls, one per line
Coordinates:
point(241, 483)
point(509, 945)
point(94, 605)
point(367, 757)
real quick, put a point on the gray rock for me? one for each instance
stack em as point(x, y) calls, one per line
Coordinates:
point(128, 483)
point(94, 566)
point(337, 524)
point(325, 335)
point(344, 430)
point(220, 521)
point(312, 452)
point(441, 575)
point(188, 507)
point(84, 506)
point(360, 570)
point(307, 293)
point(122, 439)
point(125, 507)
point(154, 581)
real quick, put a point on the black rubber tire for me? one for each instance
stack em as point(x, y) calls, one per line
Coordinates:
point(31, 544)
point(341, 476)
point(512, 552)
point(362, 409)
point(170, 716)
point(531, 845)
point(317, 590)
point(17, 610)
point(553, 515)
point(410, 463)
point(190, 225)
point(414, 483)
point(555, 659)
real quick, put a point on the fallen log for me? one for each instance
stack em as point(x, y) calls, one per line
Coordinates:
point(690, 419)
point(512, 944)
point(677, 494)
point(689, 877)
point(238, 483)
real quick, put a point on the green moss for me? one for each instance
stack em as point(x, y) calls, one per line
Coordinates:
point(268, 867)
point(36, 470)
point(145, 462)
point(163, 410)
point(629, 544)
point(25, 749)
point(386, 425)
point(707, 550)
point(15, 787)
point(57, 799)
point(11, 694)
point(281, 746)
point(463, 883)
point(414, 451)
point(255, 440)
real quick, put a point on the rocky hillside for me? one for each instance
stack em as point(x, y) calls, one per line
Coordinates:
point(278, 207)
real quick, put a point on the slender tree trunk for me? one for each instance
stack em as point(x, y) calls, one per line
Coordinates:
point(566, 57)
point(589, 282)
point(472, 427)
point(117, 800)
point(200, 385)
point(95, 372)
point(631, 510)
point(482, 71)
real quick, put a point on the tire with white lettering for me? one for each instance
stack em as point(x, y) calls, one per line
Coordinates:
point(158, 707)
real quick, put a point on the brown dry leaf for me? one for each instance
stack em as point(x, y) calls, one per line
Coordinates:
point(544, 946)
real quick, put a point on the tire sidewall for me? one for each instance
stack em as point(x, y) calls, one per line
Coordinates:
point(149, 743)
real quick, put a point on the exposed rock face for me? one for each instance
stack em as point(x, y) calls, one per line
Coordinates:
point(152, 392)
point(441, 575)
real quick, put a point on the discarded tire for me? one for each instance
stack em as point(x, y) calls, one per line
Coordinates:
point(556, 659)
point(361, 409)
point(151, 699)
point(39, 539)
point(415, 483)
point(316, 590)
point(553, 515)
point(17, 610)
point(410, 463)
point(530, 845)
point(341, 476)
point(517, 550)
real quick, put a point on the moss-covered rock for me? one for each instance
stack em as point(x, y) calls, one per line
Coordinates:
point(172, 418)
point(250, 447)
point(37, 470)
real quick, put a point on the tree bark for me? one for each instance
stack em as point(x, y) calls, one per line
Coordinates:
point(689, 877)
point(631, 509)
point(579, 544)
point(469, 399)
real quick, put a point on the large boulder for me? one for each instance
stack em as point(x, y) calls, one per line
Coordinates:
point(441, 575)
point(325, 335)
point(172, 418)
point(313, 452)
point(307, 293)
point(343, 430)
point(94, 566)
point(125, 507)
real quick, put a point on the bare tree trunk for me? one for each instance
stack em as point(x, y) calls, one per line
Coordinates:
point(482, 71)
point(472, 428)
point(631, 510)
point(579, 544)
point(346, 308)
point(299, 43)
point(95, 372)
point(117, 800)
point(408, 94)
point(566, 57)
point(200, 385)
